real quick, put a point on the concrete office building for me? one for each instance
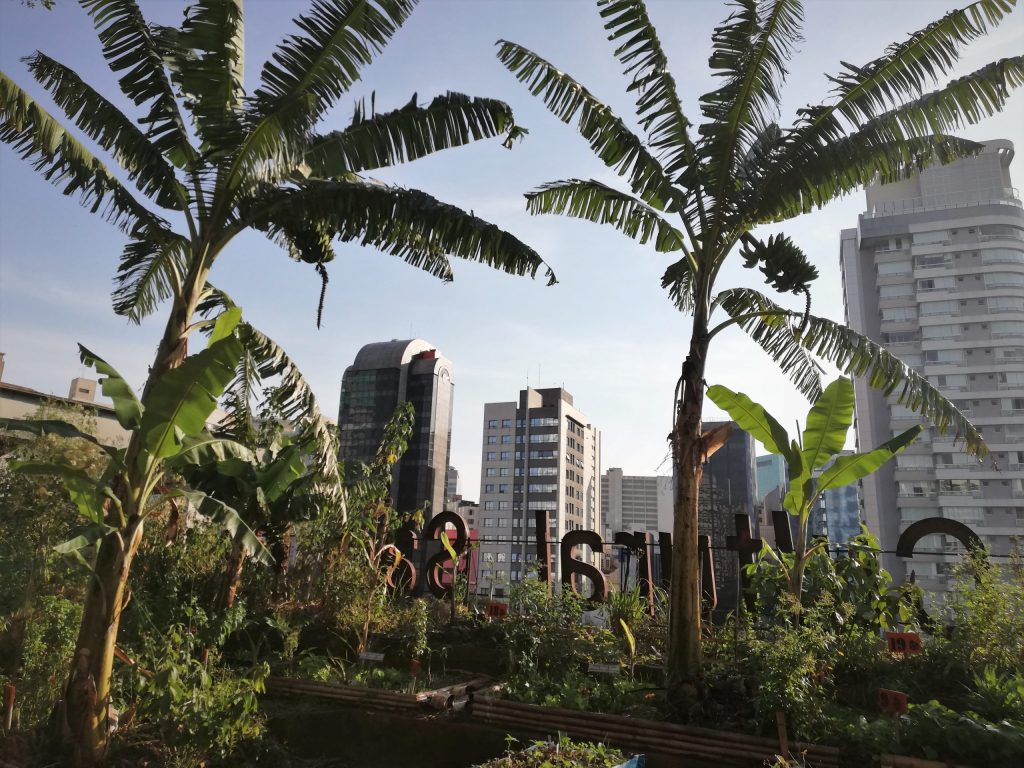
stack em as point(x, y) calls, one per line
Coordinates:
point(539, 453)
point(935, 272)
point(451, 485)
point(635, 503)
point(383, 375)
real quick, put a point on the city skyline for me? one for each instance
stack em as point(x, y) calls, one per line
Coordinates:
point(608, 312)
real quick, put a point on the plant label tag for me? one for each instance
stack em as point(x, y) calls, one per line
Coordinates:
point(892, 702)
point(604, 669)
point(903, 642)
point(371, 656)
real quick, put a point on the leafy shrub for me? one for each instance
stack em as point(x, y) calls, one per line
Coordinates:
point(207, 712)
point(49, 642)
point(998, 697)
point(986, 605)
point(578, 690)
point(563, 754)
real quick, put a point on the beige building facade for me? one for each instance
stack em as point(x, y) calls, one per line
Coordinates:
point(538, 454)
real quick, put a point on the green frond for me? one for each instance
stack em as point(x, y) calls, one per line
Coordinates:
point(112, 130)
point(337, 39)
point(964, 101)
point(263, 360)
point(825, 173)
point(151, 270)
point(821, 140)
point(770, 327)
point(860, 356)
point(680, 282)
point(130, 46)
point(750, 51)
point(62, 160)
point(273, 148)
point(403, 222)
point(601, 204)
point(208, 65)
point(657, 100)
point(908, 68)
point(609, 137)
point(376, 141)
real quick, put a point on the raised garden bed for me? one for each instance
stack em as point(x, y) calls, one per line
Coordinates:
point(723, 747)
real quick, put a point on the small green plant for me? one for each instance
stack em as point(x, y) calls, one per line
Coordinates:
point(828, 422)
point(207, 712)
point(564, 753)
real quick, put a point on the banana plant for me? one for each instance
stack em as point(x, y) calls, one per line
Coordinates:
point(697, 194)
point(171, 429)
point(265, 485)
point(828, 423)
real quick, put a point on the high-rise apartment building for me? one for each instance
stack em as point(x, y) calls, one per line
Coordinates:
point(635, 503)
point(539, 453)
point(383, 375)
point(935, 272)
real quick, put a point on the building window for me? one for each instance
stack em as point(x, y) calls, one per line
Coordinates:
point(488, 521)
point(503, 488)
point(506, 423)
point(503, 522)
point(492, 423)
point(505, 471)
point(492, 471)
point(490, 505)
point(506, 439)
point(506, 455)
point(504, 506)
point(502, 557)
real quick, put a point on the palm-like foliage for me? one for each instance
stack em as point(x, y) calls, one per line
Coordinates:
point(208, 159)
point(698, 194)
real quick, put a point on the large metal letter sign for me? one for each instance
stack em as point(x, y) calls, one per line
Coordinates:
point(435, 565)
point(571, 566)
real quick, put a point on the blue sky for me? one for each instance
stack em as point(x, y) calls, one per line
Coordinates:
point(606, 331)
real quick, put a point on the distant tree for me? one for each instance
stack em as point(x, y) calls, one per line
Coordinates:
point(700, 195)
point(212, 160)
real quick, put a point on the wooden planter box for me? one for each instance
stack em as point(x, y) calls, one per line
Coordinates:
point(720, 747)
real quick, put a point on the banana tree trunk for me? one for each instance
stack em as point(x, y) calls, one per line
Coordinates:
point(684, 652)
point(87, 691)
point(232, 576)
point(86, 700)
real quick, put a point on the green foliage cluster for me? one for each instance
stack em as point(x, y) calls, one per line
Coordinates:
point(575, 689)
point(564, 753)
point(206, 712)
point(47, 646)
point(965, 689)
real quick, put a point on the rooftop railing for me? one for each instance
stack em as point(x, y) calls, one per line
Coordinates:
point(1005, 196)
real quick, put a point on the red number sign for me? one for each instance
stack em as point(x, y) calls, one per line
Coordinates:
point(892, 702)
point(903, 642)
